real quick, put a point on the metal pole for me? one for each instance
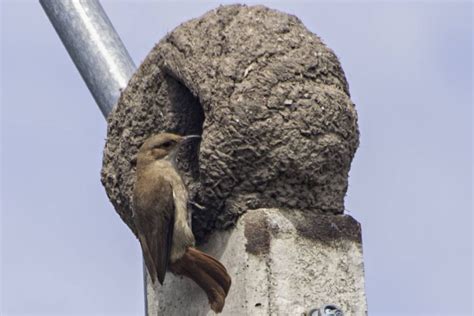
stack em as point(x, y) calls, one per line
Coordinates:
point(94, 46)
point(97, 51)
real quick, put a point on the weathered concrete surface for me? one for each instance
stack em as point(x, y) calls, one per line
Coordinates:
point(271, 102)
point(278, 269)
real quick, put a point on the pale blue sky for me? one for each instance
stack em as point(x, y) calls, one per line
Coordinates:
point(64, 251)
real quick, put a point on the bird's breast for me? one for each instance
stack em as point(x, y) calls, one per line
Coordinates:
point(182, 234)
point(180, 193)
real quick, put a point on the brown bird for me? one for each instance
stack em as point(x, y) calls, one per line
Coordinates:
point(161, 217)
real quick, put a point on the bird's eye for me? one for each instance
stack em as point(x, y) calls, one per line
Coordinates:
point(167, 144)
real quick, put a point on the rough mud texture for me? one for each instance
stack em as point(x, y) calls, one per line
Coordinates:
point(271, 102)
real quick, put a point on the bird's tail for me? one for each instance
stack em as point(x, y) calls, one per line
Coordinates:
point(208, 273)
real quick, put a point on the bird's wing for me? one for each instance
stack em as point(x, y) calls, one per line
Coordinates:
point(154, 218)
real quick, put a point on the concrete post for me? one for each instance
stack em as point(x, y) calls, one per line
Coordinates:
point(281, 264)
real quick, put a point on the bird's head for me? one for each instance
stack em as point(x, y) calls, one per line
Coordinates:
point(161, 146)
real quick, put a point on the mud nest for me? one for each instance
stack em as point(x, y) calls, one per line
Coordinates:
point(271, 102)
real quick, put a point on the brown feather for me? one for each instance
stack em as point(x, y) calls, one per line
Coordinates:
point(212, 267)
point(208, 273)
point(154, 218)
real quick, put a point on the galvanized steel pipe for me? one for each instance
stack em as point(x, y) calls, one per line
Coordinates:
point(96, 49)
point(94, 46)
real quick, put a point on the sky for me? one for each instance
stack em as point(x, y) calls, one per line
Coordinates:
point(64, 250)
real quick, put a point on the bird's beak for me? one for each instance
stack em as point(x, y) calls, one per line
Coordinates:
point(186, 138)
point(172, 155)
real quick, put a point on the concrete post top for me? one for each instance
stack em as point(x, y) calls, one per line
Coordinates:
point(279, 267)
point(272, 104)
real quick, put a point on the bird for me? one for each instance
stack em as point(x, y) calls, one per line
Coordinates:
point(163, 223)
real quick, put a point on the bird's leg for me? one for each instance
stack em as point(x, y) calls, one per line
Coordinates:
point(199, 206)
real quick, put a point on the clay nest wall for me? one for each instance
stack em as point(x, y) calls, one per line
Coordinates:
point(271, 102)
